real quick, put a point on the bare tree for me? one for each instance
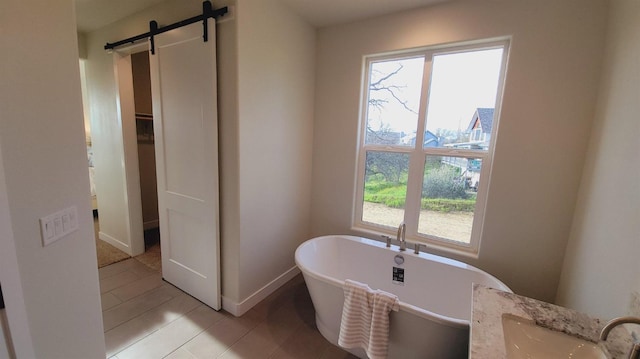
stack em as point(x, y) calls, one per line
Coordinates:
point(390, 166)
point(383, 84)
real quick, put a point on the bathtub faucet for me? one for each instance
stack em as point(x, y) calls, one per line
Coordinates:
point(635, 350)
point(402, 229)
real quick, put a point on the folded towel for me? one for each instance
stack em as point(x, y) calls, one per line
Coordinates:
point(365, 319)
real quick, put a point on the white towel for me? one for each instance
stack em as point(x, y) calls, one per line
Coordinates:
point(365, 319)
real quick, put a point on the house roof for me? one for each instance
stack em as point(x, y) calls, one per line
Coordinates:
point(485, 115)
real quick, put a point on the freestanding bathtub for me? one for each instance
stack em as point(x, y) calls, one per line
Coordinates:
point(435, 297)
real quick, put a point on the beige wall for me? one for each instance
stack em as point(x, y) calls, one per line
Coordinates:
point(276, 61)
point(52, 292)
point(228, 157)
point(601, 268)
point(82, 45)
point(13, 295)
point(548, 105)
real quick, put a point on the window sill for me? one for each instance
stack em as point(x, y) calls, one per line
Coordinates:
point(427, 246)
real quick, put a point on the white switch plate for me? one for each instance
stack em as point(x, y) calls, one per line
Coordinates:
point(58, 225)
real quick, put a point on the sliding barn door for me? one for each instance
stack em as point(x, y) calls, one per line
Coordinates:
point(183, 82)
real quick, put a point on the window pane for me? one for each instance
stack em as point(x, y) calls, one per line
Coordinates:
point(449, 197)
point(393, 100)
point(385, 188)
point(463, 94)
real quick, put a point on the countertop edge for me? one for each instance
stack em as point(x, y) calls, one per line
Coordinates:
point(489, 305)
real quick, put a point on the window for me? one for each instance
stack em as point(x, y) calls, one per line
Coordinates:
point(427, 130)
point(476, 135)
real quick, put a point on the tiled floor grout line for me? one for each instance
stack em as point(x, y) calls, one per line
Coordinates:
point(150, 333)
point(143, 313)
point(140, 314)
point(139, 295)
point(275, 350)
point(273, 323)
point(164, 282)
point(116, 273)
point(230, 345)
point(198, 333)
point(182, 315)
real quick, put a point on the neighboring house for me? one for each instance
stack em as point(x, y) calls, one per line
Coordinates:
point(479, 130)
point(430, 139)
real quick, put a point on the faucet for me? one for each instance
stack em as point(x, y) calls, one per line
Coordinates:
point(635, 350)
point(387, 239)
point(402, 229)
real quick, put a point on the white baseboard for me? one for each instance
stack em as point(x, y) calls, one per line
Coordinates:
point(114, 242)
point(238, 309)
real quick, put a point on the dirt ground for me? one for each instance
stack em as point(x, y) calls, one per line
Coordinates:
point(452, 225)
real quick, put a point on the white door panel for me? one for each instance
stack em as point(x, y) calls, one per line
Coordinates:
point(183, 81)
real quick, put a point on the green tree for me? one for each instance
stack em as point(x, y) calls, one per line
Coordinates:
point(391, 166)
point(444, 182)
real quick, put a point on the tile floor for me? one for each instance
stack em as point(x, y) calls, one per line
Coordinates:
point(145, 317)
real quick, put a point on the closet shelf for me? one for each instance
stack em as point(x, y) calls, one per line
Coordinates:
point(144, 116)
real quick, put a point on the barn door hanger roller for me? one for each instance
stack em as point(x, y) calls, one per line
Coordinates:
point(207, 12)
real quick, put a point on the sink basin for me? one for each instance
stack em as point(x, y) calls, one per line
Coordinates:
point(524, 339)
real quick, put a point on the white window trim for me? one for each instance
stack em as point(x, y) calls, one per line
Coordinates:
point(418, 154)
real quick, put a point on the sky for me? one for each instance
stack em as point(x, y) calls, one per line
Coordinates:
point(460, 83)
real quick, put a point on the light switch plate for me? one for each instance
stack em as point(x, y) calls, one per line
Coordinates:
point(58, 225)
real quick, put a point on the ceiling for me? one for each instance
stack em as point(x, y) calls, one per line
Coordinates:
point(94, 14)
point(330, 12)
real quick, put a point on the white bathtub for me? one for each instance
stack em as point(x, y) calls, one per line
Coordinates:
point(435, 299)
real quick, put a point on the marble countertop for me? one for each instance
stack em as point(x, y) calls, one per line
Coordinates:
point(489, 305)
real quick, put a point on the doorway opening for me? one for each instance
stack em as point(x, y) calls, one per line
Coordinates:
point(136, 117)
point(143, 104)
point(106, 253)
point(185, 135)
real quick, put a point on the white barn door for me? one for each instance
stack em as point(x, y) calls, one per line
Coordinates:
point(183, 83)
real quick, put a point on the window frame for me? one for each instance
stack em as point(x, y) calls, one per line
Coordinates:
point(418, 153)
